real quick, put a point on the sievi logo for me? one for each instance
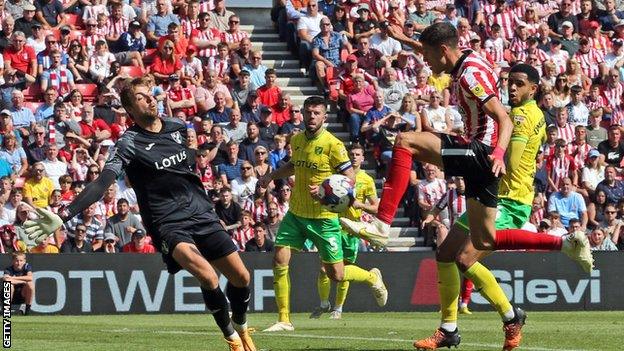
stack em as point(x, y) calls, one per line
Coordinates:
point(517, 289)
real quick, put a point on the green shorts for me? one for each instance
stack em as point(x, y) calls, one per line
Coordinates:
point(325, 233)
point(510, 214)
point(350, 247)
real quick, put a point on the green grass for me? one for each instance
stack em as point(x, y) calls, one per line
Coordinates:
point(356, 331)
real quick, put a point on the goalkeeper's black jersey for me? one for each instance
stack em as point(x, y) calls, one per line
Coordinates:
point(159, 166)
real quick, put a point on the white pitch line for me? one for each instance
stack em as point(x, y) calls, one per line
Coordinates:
point(312, 336)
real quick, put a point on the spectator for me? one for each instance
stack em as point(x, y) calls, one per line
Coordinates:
point(165, 63)
point(38, 187)
point(45, 247)
point(579, 148)
point(9, 243)
point(612, 149)
point(132, 40)
point(192, 70)
point(244, 186)
point(261, 164)
point(364, 26)
point(241, 89)
point(557, 20)
point(256, 70)
point(231, 168)
point(259, 243)
point(578, 111)
point(180, 43)
point(278, 152)
point(95, 229)
point(600, 242)
point(233, 35)
point(93, 129)
point(46, 109)
point(308, 27)
point(378, 111)
point(204, 96)
point(25, 22)
point(431, 189)
point(436, 118)
point(592, 173)
point(240, 58)
point(611, 16)
point(109, 245)
point(269, 93)
point(274, 215)
point(139, 244)
point(565, 130)
point(568, 203)
point(180, 99)
point(595, 133)
point(591, 60)
point(205, 37)
point(561, 91)
point(14, 155)
point(612, 187)
point(596, 208)
point(77, 243)
point(20, 275)
point(235, 130)
point(387, 45)
point(50, 13)
point(560, 166)
point(100, 62)
point(295, 123)
point(612, 92)
point(326, 47)
point(268, 129)
point(421, 16)
point(35, 151)
point(124, 223)
point(220, 15)
point(220, 113)
point(158, 23)
point(229, 212)
point(249, 144)
point(244, 232)
point(358, 103)
point(282, 109)
point(393, 90)
point(369, 59)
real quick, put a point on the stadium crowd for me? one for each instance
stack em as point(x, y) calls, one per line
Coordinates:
point(63, 63)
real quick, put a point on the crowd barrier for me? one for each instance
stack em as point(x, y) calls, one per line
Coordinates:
point(135, 283)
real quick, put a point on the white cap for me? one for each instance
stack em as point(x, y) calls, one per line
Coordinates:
point(567, 24)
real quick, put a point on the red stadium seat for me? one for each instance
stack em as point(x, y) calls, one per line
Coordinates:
point(132, 71)
point(89, 91)
point(74, 20)
point(33, 93)
point(56, 32)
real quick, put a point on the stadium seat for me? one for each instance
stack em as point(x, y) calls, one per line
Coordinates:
point(132, 71)
point(149, 56)
point(32, 105)
point(74, 20)
point(89, 91)
point(56, 32)
point(33, 93)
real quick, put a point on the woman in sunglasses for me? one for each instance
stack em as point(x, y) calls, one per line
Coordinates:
point(78, 62)
point(165, 63)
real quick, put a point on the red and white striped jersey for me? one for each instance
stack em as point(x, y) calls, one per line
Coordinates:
point(423, 91)
point(219, 65)
point(188, 25)
point(474, 83)
point(408, 76)
point(258, 209)
point(548, 150)
point(589, 62)
point(517, 45)
point(566, 133)
point(545, 9)
point(559, 59)
point(518, 10)
point(594, 104)
point(117, 27)
point(579, 153)
point(496, 48)
point(206, 6)
point(541, 56)
point(456, 204)
point(241, 236)
point(437, 3)
point(507, 20)
point(231, 38)
point(488, 8)
point(613, 97)
point(206, 34)
point(430, 192)
point(103, 31)
point(602, 44)
point(537, 216)
point(88, 42)
point(381, 6)
point(560, 168)
point(464, 40)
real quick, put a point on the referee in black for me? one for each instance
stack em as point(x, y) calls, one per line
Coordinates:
point(174, 207)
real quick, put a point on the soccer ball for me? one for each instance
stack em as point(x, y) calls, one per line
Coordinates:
point(337, 193)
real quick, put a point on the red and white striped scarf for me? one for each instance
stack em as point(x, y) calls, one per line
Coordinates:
point(58, 81)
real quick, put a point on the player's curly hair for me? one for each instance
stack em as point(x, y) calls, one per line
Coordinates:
point(440, 33)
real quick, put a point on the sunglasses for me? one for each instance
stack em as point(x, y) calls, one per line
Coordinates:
point(610, 212)
point(246, 168)
point(94, 172)
point(38, 170)
point(261, 153)
point(168, 47)
point(234, 22)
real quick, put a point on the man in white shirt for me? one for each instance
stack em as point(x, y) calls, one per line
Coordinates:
point(307, 28)
point(388, 46)
point(53, 167)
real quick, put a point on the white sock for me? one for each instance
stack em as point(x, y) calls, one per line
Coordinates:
point(325, 304)
point(450, 327)
point(338, 308)
point(233, 337)
point(463, 305)
point(508, 315)
point(239, 327)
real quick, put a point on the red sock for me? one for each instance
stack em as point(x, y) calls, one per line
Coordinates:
point(518, 239)
point(396, 184)
point(466, 291)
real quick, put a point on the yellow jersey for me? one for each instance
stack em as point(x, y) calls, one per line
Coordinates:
point(364, 189)
point(530, 129)
point(314, 160)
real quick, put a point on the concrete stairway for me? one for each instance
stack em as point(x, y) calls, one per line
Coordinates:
point(293, 80)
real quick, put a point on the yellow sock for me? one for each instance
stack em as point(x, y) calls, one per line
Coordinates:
point(281, 283)
point(448, 288)
point(353, 273)
point(341, 293)
point(490, 290)
point(323, 284)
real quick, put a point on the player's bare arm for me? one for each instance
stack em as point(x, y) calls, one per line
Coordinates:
point(496, 110)
point(285, 171)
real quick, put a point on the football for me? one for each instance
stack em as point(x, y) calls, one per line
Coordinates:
point(337, 193)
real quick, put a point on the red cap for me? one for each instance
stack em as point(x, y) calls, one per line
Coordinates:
point(594, 25)
point(351, 58)
point(191, 48)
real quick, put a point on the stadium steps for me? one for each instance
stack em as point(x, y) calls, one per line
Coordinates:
point(293, 79)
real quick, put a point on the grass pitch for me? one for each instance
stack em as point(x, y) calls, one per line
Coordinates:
point(546, 331)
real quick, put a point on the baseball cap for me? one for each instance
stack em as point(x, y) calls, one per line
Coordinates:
point(5, 112)
point(174, 77)
point(139, 232)
point(594, 153)
point(192, 49)
point(567, 24)
point(363, 7)
point(65, 29)
point(107, 142)
point(618, 42)
point(474, 37)
point(29, 7)
point(351, 58)
point(109, 236)
point(135, 24)
point(94, 21)
point(594, 25)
